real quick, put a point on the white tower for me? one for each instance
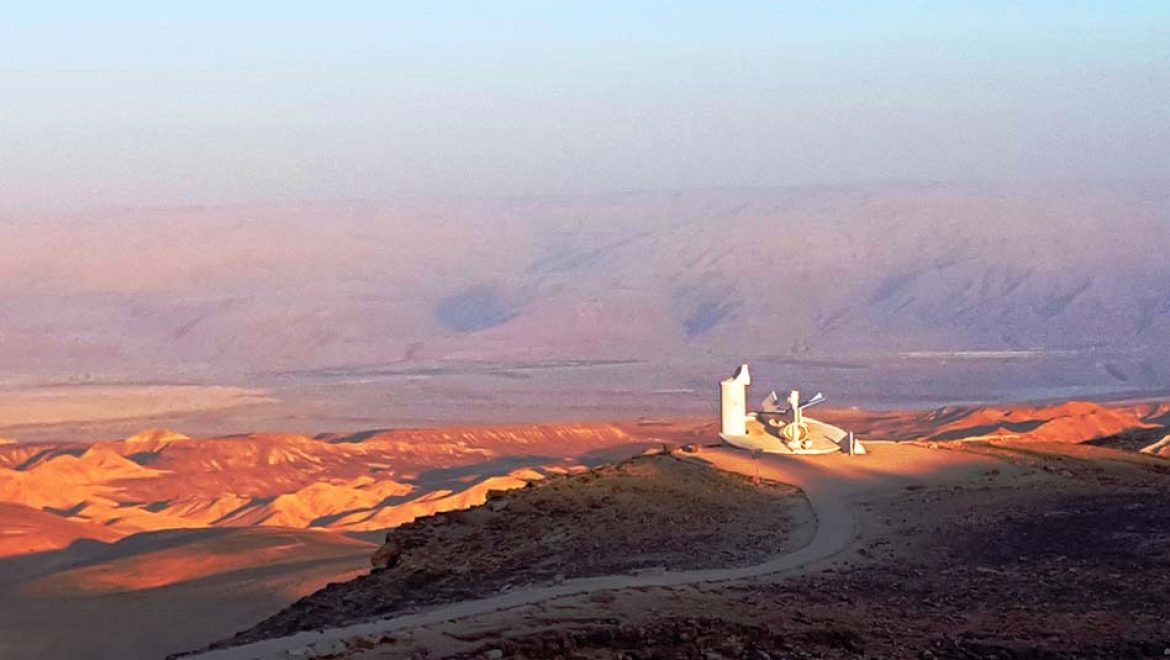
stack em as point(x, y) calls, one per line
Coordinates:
point(733, 402)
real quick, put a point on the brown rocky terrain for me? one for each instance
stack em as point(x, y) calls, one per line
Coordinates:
point(648, 513)
point(199, 538)
point(1056, 554)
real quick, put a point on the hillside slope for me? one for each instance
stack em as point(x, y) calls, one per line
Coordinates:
point(648, 513)
point(158, 479)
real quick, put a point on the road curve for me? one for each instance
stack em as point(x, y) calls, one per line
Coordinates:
point(836, 528)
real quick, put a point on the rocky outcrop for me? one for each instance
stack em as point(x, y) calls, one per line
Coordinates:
point(645, 515)
point(387, 555)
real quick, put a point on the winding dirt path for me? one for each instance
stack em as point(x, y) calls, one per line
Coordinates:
point(828, 482)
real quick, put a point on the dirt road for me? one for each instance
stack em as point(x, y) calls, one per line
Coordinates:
point(830, 483)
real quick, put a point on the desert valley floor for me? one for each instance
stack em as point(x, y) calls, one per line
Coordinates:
point(966, 532)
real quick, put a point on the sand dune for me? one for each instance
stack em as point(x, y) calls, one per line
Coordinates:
point(160, 479)
point(24, 530)
point(313, 504)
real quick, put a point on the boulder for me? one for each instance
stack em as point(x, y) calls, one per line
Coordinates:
point(387, 555)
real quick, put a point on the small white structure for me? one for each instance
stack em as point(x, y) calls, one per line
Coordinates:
point(768, 431)
point(852, 446)
point(733, 402)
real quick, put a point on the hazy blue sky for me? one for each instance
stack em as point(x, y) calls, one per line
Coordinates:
point(194, 102)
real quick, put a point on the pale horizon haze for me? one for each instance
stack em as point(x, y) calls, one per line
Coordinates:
point(143, 104)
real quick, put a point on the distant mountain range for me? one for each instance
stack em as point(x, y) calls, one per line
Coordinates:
point(812, 275)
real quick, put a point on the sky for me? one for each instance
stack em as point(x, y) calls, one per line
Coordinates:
point(120, 104)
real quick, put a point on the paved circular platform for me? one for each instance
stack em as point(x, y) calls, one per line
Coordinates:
point(768, 438)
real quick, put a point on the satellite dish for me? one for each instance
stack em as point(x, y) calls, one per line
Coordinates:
point(817, 398)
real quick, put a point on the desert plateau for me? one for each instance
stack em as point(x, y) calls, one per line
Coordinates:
point(639, 537)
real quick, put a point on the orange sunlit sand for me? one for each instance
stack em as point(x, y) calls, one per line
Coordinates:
point(94, 520)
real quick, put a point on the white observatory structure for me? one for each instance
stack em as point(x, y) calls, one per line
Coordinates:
point(733, 402)
point(774, 429)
